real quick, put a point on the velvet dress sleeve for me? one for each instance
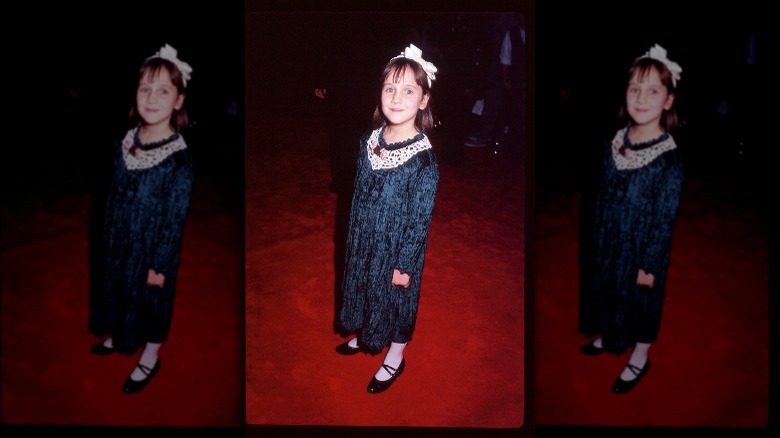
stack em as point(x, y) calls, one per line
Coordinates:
point(174, 211)
point(419, 213)
point(668, 187)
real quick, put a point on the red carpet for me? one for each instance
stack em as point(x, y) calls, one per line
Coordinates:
point(50, 377)
point(465, 366)
point(711, 360)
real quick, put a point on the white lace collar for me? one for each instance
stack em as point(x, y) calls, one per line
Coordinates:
point(137, 158)
point(389, 158)
point(628, 156)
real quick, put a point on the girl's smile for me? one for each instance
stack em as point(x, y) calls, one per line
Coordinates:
point(647, 99)
point(401, 99)
point(156, 99)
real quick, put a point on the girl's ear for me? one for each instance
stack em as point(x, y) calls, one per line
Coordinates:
point(669, 101)
point(424, 102)
point(179, 102)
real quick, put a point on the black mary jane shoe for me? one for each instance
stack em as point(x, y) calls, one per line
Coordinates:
point(347, 350)
point(622, 386)
point(101, 350)
point(131, 386)
point(592, 350)
point(377, 386)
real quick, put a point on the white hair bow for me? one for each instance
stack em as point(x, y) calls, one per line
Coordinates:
point(169, 53)
point(415, 54)
point(659, 53)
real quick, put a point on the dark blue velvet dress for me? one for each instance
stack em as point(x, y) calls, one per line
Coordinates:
point(633, 222)
point(391, 212)
point(144, 221)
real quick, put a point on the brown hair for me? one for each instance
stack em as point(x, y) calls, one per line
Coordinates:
point(152, 67)
point(397, 68)
point(642, 67)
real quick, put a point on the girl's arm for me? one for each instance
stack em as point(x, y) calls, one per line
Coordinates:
point(420, 211)
point(155, 279)
point(171, 231)
point(667, 187)
point(645, 279)
point(400, 279)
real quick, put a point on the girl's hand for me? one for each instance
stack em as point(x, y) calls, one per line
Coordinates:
point(155, 279)
point(400, 279)
point(645, 279)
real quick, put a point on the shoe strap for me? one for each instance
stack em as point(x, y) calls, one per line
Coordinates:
point(144, 369)
point(388, 368)
point(634, 369)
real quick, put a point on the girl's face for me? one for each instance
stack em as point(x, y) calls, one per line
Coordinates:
point(401, 100)
point(157, 98)
point(647, 99)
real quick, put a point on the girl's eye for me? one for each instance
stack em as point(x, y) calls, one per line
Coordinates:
point(389, 89)
point(143, 89)
point(409, 91)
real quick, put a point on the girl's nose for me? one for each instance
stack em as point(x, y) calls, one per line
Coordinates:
point(396, 97)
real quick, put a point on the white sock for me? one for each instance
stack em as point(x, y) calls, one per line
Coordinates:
point(638, 359)
point(395, 354)
point(148, 359)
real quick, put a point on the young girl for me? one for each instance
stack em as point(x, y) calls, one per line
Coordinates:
point(132, 304)
point(395, 187)
point(636, 206)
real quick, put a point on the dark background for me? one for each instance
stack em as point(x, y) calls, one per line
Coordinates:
point(582, 59)
point(74, 71)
